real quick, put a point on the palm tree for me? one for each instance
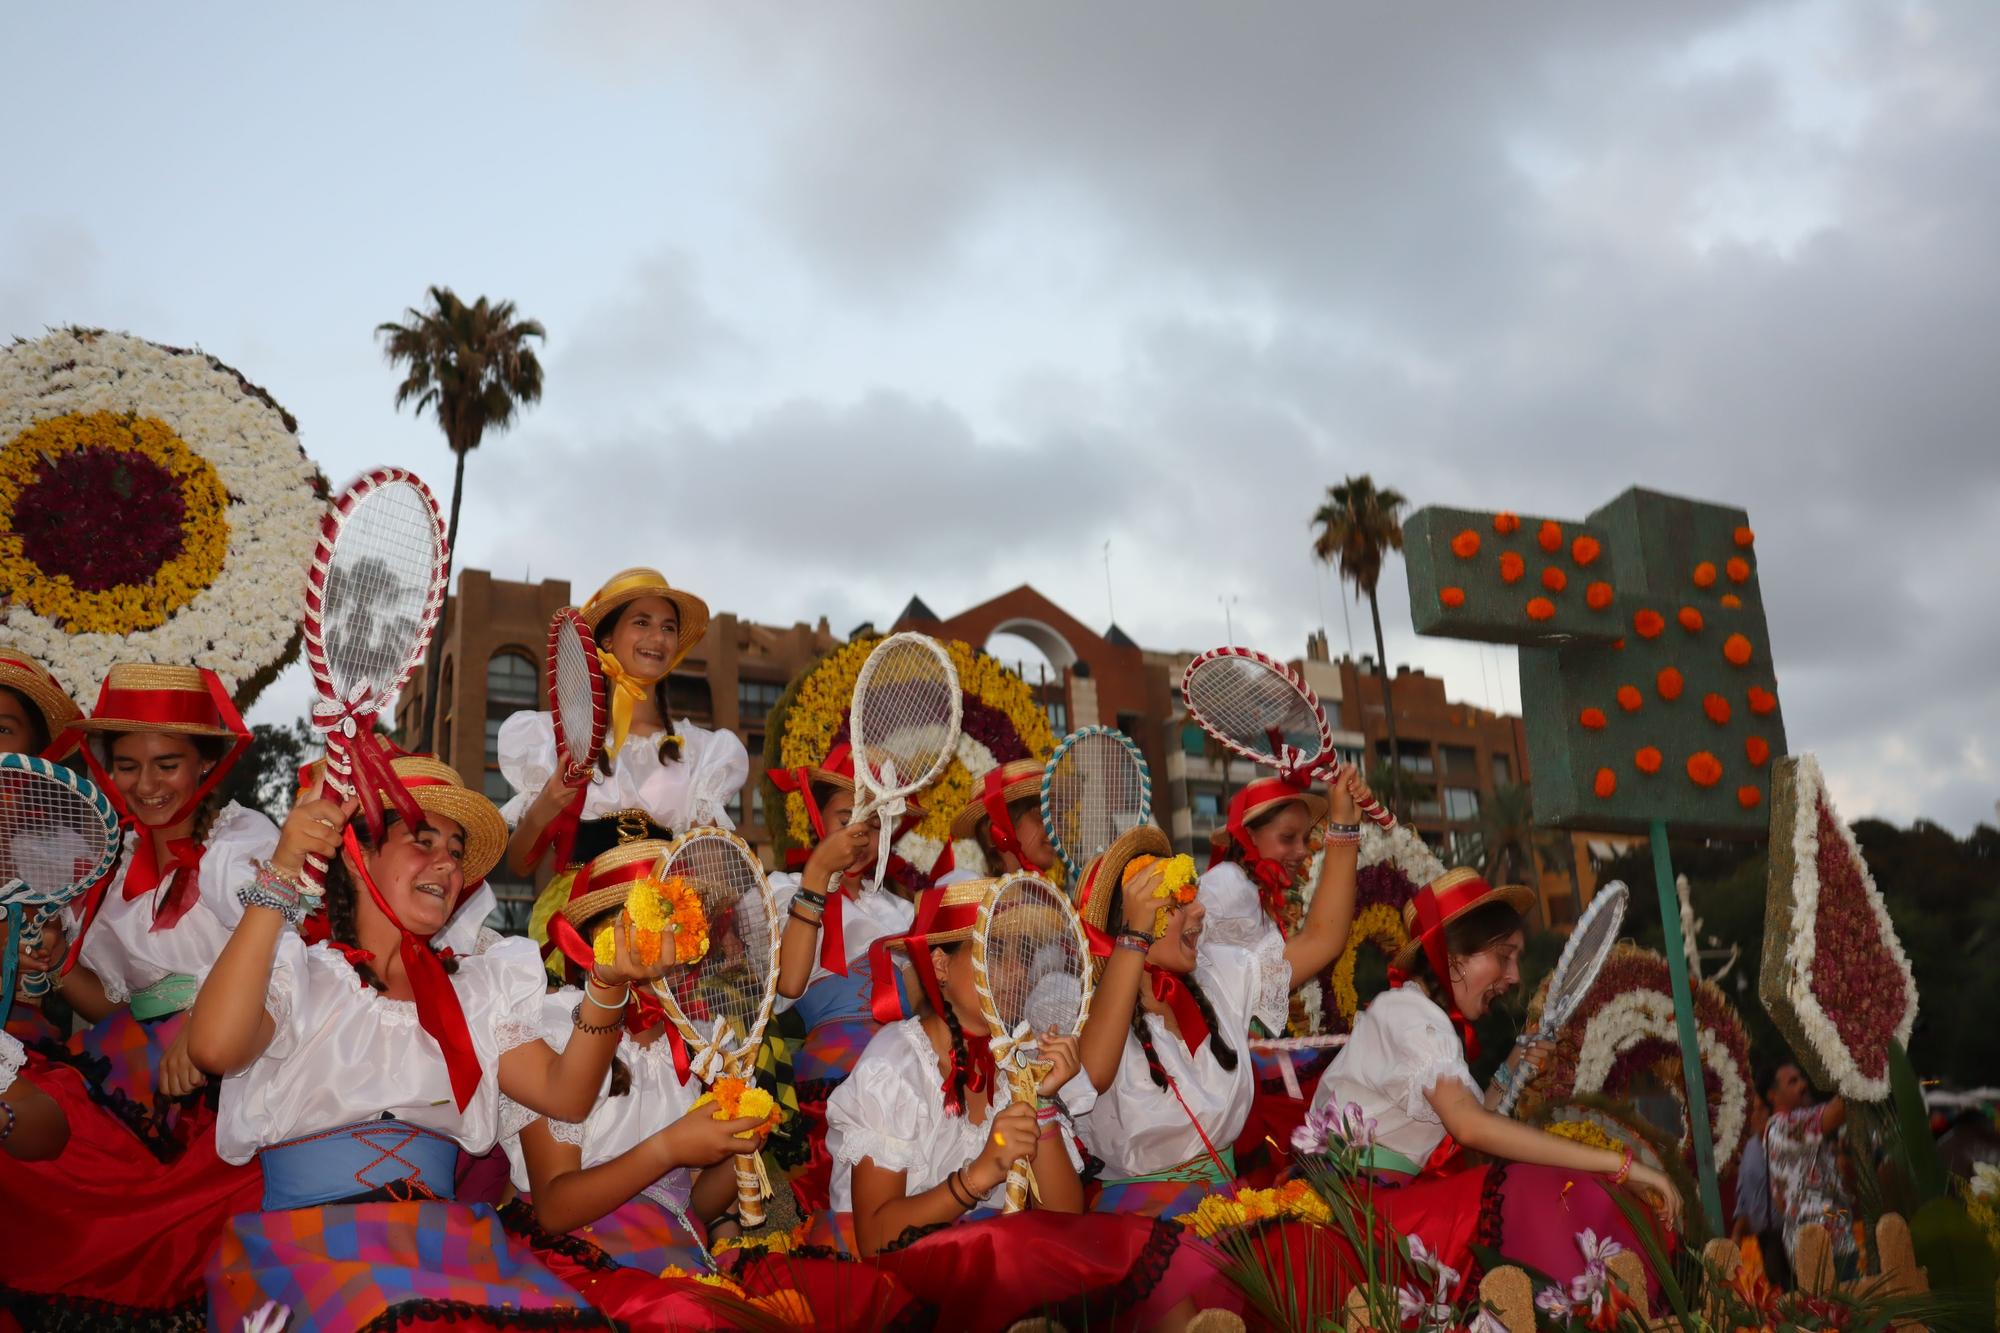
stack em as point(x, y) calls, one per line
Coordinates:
point(473, 367)
point(1358, 526)
point(1506, 836)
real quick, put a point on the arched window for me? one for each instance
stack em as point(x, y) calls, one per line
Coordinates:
point(513, 679)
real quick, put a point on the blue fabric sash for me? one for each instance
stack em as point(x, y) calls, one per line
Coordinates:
point(355, 1160)
point(834, 998)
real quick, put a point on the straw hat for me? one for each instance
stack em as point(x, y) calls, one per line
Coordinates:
point(629, 585)
point(185, 688)
point(1022, 778)
point(1104, 878)
point(59, 712)
point(956, 908)
point(587, 903)
point(1263, 796)
point(1457, 892)
point(435, 786)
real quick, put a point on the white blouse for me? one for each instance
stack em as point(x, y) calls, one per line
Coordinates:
point(690, 792)
point(1235, 918)
point(891, 1111)
point(12, 1056)
point(1403, 1047)
point(616, 1125)
point(1137, 1127)
point(868, 916)
point(463, 933)
point(343, 1052)
point(124, 950)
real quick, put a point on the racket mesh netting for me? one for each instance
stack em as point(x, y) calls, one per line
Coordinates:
point(378, 582)
point(576, 693)
point(1097, 791)
point(1246, 703)
point(904, 714)
point(1583, 957)
point(1034, 960)
point(729, 981)
point(51, 838)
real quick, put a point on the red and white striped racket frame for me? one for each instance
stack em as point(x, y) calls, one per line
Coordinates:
point(576, 769)
point(340, 720)
point(1292, 763)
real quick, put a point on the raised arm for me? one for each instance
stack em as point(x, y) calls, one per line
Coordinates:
point(1103, 1045)
point(1322, 936)
point(569, 1195)
point(837, 853)
point(522, 857)
point(563, 1085)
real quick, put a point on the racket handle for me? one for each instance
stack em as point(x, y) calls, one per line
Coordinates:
point(750, 1190)
point(1373, 809)
point(1329, 767)
point(1018, 1182)
point(315, 872)
point(1507, 1100)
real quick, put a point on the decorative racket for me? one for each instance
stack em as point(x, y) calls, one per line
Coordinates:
point(1589, 946)
point(1031, 962)
point(903, 728)
point(373, 595)
point(58, 836)
point(576, 694)
point(721, 1001)
point(1263, 710)
point(1094, 788)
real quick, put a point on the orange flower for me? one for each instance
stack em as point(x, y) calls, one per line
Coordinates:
point(1465, 545)
point(1670, 683)
point(1737, 649)
point(1585, 550)
point(1745, 537)
point(1506, 521)
point(1717, 709)
point(1592, 718)
point(1762, 700)
point(1647, 759)
point(1749, 797)
point(1605, 784)
point(1597, 596)
point(1629, 698)
point(1690, 620)
point(1731, 600)
point(1738, 569)
point(1512, 566)
point(1554, 579)
point(1704, 574)
point(1550, 537)
point(1757, 750)
point(1619, 644)
point(1648, 624)
point(1704, 769)
point(1540, 608)
point(1452, 597)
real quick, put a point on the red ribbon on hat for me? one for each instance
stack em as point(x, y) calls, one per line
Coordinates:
point(993, 795)
point(1431, 912)
point(933, 917)
point(1271, 877)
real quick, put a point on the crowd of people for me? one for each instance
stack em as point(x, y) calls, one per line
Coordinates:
point(253, 1086)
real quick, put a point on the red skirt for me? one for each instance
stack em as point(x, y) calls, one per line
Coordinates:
point(107, 1227)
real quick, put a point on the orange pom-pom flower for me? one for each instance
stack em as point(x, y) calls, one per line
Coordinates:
point(1647, 759)
point(1690, 619)
point(1554, 579)
point(1738, 569)
point(1585, 550)
point(1704, 769)
point(1629, 698)
point(1749, 797)
point(1757, 750)
point(1732, 601)
point(1452, 597)
point(1597, 596)
point(1592, 718)
point(1736, 649)
point(1648, 624)
point(1670, 683)
point(1704, 574)
point(1506, 521)
point(1605, 784)
point(1465, 545)
point(1717, 709)
point(1541, 608)
point(1550, 536)
point(1762, 701)
point(1512, 566)
point(1745, 537)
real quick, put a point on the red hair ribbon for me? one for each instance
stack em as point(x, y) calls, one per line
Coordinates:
point(1270, 877)
point(1431, 913)
point(976, 1063)
point(1165, 986)
point(932, 918)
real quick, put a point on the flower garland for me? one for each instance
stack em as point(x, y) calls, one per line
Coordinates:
point(1002, 722)
point(1835, 978)
point(658, 910)
point(1626, 1028)
point(1380, 925)
point(735, 1099)
point(151, 499)
point(1392, 866)
point(1295, 1199)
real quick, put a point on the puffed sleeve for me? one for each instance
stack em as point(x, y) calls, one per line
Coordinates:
point(1429, 1053)
point(1233, 914)
point(12, 1056)
point(874, 1114)
point(722, 766)
point(1256, 977)
point(287, 997)
point(527, 746)
point(239, 839)
point(521, 999)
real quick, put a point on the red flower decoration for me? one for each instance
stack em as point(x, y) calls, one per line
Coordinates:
point(1670, 683)
point(1690, 619)
point(1704, 574)
point(1704, 769)
point(1749, 797)
point(1550, 537)
point(1585, 550)
point(1647, 759)
point(1762, 701)
point(1629, 698)
point(1554, 579)
point(1757, 750)
point(1592, 718)
point(1605, 784)
point(65, 527)
point(1506, 521)
point(1745, 537)
point(1738, 569)
point(1854, 976)
point(1512, 566)
point(1541, 608)
point(1731, 600)
point(1452, 597)
point(1736, 648)
point(1648, 624)
point(1717, 709)
point(1465, 545)
point(1597, 596)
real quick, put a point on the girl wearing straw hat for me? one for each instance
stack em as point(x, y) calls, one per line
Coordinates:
point(161, 740)
point(1004, 820)
point(1164, 1044)
point(658, 777)
point(1404, 1074)
point(36, 715)
point(357, 1068)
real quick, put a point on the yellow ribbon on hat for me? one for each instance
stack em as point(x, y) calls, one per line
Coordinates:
point(627, 691)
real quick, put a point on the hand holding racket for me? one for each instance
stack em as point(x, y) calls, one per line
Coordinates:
point(1031, 964)
point(373, 596)
point(1259, 708)
point(1589, 948)
point(58, 837)
point(720, 1001)
point(1095, 787)
point(576, 696)
point(903, 729)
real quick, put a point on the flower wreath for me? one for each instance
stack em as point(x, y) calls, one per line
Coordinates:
point(1002, 723)
point(1626, 1028)
point(1392, 867)
point(151, 499)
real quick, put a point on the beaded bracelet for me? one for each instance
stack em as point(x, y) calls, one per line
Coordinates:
point(7, 1131)
point(1344, 830)
point(1624, 1168)
point(592, 1029)
point(1133, 940)
point(280, 892)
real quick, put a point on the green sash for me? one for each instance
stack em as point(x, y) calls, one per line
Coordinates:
point(169, 995)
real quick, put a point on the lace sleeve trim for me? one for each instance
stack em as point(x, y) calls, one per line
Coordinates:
point(1433, 1058)
point(1273, 1005)
point(567, 1131)
point(887, 1152)
point(511, 1032)
point(12, 1056)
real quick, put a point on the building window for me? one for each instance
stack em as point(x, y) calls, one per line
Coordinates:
point(734, 807)
point(688, 696)
point(1424, 802)
point(513, 679)
point(1503, 771)
point(1194, 741)
point(1058, 716)
point(1415, 755)
point(1461, 761)
point(498, 789)
point(1461, 803)
point(493, 742)
point(756, 698)
point(1129, 723)
point(1205, 804)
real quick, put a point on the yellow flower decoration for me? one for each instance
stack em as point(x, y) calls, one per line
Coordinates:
point(1294, 1199)
point(1177, 887)
point(1586, 1133)
point(152, 569)
point(735, 1099)
point(658, 910)
point(706, 1279)
point(1380, 924)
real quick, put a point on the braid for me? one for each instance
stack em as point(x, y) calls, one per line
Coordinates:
point(1144, 1032)
point(621, 1077)
point(1225, 1054)
point(205, 815)
point(671, 743)
point(961, 1057)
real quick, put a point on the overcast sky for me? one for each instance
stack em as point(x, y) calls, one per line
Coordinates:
point(850, 302)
